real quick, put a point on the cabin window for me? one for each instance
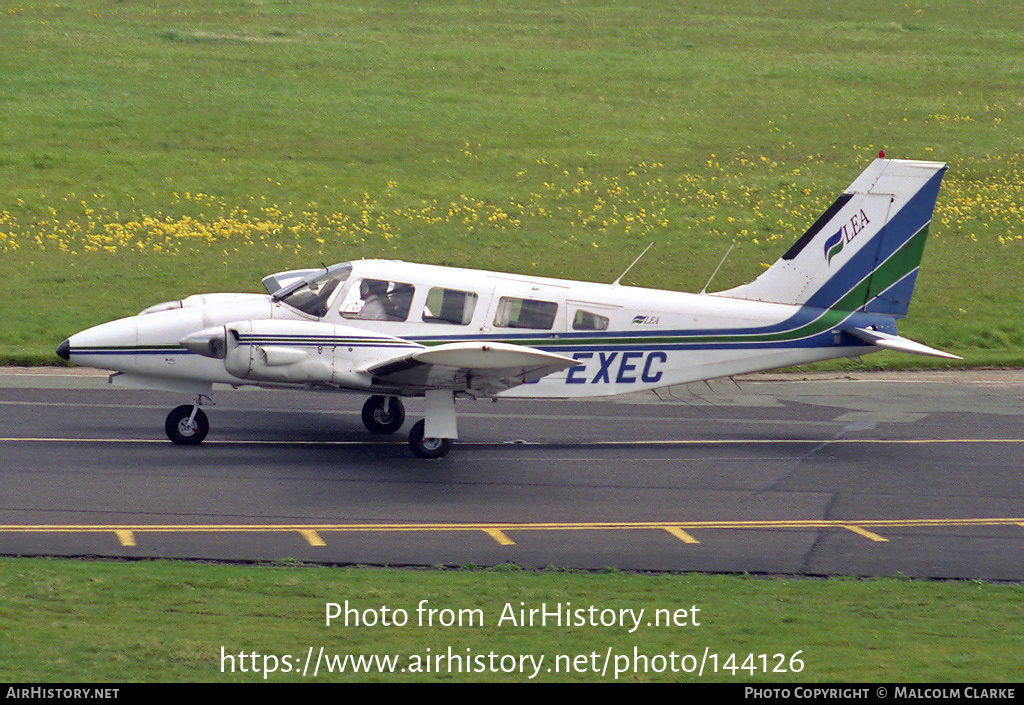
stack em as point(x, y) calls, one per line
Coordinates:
point(585, 320)
point(525, 313)
point(449, 306)
point(378, 300)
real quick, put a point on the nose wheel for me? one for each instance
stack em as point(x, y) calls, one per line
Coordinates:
point(187, 425)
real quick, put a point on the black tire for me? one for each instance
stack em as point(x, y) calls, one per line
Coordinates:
point(178, 429)
point(383, 414)
point(429, 448)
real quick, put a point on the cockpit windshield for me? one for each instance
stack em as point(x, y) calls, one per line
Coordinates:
point(312, 294)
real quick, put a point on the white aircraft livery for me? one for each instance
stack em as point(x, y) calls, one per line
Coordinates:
point(393, 329)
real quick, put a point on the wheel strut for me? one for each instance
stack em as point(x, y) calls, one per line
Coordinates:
point(187, 425)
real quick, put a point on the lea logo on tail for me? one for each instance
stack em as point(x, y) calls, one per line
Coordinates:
point(834, 245)
point(390, 329)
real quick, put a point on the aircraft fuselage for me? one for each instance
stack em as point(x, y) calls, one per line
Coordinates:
point(623, 338)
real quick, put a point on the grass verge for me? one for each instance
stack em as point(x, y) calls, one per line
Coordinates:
point(159, 621)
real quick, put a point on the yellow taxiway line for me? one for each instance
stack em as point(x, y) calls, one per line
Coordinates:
point(313, 533)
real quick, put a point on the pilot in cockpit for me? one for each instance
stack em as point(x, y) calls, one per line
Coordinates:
point(374, 294)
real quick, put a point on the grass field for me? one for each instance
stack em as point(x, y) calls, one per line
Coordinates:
point(167, 621)
point(152, 150)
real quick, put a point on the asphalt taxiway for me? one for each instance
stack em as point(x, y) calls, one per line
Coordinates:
point(832, 474)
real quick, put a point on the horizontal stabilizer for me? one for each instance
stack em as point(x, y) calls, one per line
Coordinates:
point(898, 343)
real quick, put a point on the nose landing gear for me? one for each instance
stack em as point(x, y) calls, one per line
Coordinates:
point(187, 425)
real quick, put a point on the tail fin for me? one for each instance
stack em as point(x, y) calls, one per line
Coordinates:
point(863, 253)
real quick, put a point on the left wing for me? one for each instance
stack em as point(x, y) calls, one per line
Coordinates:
point(476, 368)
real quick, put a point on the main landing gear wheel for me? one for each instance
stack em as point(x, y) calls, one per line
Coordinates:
point(429, 448)
point(383, 414)
point(185, 430)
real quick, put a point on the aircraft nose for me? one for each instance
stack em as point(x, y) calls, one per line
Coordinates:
point(108, 346)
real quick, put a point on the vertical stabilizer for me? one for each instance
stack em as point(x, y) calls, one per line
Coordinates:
point(863, 253)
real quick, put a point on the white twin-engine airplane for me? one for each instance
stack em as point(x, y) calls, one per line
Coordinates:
point(393, 329)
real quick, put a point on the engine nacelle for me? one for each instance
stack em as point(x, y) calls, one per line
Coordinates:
point(296, 352)
point(279, 351)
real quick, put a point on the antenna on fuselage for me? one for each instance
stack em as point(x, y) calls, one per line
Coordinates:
point(616, 282)
point(705, 289)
